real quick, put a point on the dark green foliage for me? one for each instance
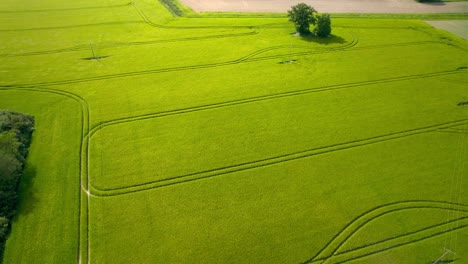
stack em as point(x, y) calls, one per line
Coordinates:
point(302, 15)
point(172, 7)
point(323, 25)
point(15, 137)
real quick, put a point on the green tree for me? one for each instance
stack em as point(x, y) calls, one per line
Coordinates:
point(3, 227)
point(323, 25)
point(302, 15)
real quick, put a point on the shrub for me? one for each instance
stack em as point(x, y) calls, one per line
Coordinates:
point(323, 25)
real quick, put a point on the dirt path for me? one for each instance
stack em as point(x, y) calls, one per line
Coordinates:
point(329, 6)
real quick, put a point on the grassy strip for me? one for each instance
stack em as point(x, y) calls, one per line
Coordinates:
point(48, 191)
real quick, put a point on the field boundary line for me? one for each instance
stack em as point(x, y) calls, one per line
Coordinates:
point(336, 252)
point(402, 244)
point(189, 67)
point(407, 234)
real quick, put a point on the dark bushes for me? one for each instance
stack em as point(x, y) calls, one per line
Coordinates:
point(15, 137)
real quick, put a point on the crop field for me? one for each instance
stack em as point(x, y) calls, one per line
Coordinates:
point(225, 138)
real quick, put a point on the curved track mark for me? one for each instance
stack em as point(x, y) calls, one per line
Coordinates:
point(116, 45)
point(358, 222)
point(190, 67)
point(263, 98)
point(267, 162)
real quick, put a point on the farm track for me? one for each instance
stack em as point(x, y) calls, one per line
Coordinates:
point(72, 26)
point(400, 244)
point(330, 249)
point(246, 59)
point(137, 43)
point(409, 233)
point(263, 98)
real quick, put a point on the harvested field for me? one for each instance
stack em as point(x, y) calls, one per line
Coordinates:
point(457, 27)
point(330, 6)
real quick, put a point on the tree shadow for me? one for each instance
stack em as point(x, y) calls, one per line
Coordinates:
point(26, 196)
point(444, 261)
point(332, 39)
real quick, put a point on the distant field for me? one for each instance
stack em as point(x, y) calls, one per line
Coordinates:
point(331, 6)
point(458, 27)
point(191, 141)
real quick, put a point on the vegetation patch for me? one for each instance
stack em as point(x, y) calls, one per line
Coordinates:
point(15, 137)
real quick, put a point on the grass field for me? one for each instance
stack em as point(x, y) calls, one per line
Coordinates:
point(190, 141)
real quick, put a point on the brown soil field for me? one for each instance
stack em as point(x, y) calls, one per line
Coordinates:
point(457, 27)
point(328, 6)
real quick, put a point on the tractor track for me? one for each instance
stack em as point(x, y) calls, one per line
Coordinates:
point(246, 59)
point(368, 216)
point(266, 97)
point(62, 9)
point(107, 192)
point(136, 43)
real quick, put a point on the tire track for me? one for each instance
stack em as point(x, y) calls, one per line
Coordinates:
point(336, 254)
point(272, 160)
point(249, 59)
point(139, 43)
point(186, 178)
point(405, 234)
point(265, 97)
point(329, 250)
point(162, 70)
point(403, 243)
point(62, 9)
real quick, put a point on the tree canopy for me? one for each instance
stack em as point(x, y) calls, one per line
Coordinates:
point(323, 25)
point(302, 15)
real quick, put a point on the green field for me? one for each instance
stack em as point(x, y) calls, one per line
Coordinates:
point(191, 141)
